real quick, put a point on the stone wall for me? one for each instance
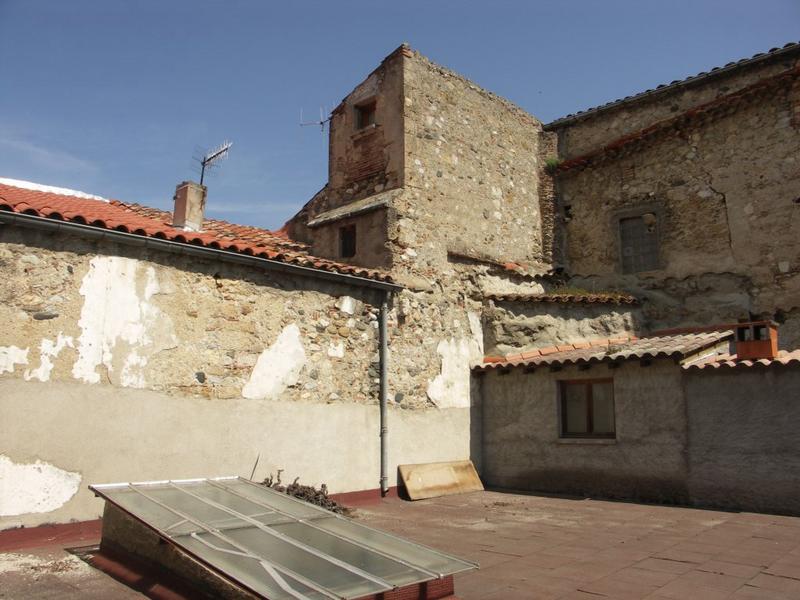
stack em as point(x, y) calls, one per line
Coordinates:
point(179, 367)
point(472, 164)
point(521, 448)
point(511, 326)
point(722, 186)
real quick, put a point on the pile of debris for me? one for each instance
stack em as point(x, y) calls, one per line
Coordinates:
point(308, 493)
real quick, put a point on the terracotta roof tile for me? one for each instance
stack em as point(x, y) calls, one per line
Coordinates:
point(588, 298)
point(732, 361)
point(614, 350)
point(156, 223)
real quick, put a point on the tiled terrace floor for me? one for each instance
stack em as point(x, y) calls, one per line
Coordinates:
point(537, 547)
point(530, 547)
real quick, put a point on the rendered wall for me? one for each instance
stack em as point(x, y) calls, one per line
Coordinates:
point(744, 438)
point(105, 434)
point(521, 448)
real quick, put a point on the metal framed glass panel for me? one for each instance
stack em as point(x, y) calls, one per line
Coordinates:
point(275, 545)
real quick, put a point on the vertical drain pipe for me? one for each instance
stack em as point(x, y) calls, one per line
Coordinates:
point(383, 357)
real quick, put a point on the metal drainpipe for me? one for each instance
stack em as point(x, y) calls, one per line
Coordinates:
point(383, 357)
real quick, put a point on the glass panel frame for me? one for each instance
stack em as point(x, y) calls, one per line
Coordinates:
point(276, 545)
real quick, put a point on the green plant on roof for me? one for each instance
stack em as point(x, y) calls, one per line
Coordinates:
point(551, 164)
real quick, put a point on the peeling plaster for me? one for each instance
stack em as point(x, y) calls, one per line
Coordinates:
point(113, 312)
point(48, 350)
point(34, 487)
point(277, 367)
point(10, 356)
point(451, 388)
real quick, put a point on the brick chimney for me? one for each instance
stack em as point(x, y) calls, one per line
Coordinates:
point(757, 340)
point(190, 206)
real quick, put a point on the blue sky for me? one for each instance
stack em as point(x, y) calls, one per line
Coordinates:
point(113, 97)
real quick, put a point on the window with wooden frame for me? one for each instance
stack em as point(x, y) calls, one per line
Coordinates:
point(347, 241)
point(365, 114)
point(587, 408)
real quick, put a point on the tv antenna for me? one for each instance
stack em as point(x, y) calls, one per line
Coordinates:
point(212, 157)
point(321, 122)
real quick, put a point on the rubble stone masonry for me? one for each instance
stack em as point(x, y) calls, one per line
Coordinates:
point(722, 184)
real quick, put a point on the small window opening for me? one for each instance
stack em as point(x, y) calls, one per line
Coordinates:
point(347, 241)
point(639, 243)
point(365, 115)
point(587, 409)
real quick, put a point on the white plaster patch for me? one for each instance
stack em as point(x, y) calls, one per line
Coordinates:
point(48, 350)
point(277, 367)
point(113, 311)
point(451, 388)
point(10, 356)
point(34, 487)
point(336, 350)
point(347, 305)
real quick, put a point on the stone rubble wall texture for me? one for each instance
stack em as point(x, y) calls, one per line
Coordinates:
point(472, 165)
point(724, 189)
point(513, 326)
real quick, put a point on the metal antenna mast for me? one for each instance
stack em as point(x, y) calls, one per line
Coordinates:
point(212, 157)
point(321, 122)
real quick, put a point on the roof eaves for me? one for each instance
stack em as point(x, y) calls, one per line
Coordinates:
point(664, 89)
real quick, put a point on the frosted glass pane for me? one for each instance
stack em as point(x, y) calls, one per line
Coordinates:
point(247, 571)
point(408, 551)
point(575, 404)
point(603, 407)
point(387, 569)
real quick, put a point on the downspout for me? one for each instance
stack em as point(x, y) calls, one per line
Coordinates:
point(383, 357)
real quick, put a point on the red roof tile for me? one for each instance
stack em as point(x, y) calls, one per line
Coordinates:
point(733, 361)
point(152, 222)
point(588, 298)
point(613, 350)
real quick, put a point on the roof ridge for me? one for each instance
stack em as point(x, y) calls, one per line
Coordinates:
point(675, 84)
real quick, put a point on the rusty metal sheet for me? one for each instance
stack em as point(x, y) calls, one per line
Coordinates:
point(430, 480)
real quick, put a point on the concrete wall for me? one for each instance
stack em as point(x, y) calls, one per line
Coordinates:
point(521, 448)
point(59, 437)
point(724, 189)
point(744, 438)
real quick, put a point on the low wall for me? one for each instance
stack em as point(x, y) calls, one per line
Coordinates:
point(521, 448)
point(744, 438)
point(59, 437)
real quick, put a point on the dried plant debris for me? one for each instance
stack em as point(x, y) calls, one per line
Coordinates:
point(308, 493)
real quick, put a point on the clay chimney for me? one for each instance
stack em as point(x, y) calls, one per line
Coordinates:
point(190, 206)
point(757, 340)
